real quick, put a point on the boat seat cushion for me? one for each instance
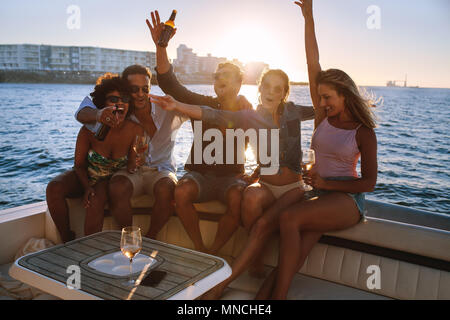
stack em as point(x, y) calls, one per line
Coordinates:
point(303, 288)
point(332, 263)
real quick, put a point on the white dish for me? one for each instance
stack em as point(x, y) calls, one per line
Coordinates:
point(117, 264)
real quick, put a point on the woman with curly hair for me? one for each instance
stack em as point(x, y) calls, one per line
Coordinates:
point(97, 161)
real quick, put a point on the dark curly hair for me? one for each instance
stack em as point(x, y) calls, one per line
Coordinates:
point(107, 83)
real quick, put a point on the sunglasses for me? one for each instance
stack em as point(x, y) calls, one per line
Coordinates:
point(116, 99)
point(136, 89)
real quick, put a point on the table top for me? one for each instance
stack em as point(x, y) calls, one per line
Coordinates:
point(189, 273)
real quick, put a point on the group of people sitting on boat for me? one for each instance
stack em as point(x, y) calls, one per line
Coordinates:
point(110, 171)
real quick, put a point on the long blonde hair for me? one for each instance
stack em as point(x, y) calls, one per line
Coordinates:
point(357, 103)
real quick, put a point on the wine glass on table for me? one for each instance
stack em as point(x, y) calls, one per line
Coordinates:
point(140, 147)
point(308, 162)
point(131, 245)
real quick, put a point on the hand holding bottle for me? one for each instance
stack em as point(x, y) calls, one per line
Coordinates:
point(156, 28)
point(108, 117)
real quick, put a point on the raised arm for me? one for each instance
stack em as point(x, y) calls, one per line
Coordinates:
point(312, 57)
point(167, 80)
point(156, 27)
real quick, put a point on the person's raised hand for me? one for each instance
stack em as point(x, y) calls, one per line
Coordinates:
point(167, 102)
point(306, 6)
point(156, 27)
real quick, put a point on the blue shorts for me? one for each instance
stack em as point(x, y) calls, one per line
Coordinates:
point(359, 198)
point(212, 187)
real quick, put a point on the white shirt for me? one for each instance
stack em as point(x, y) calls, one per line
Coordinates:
point(160, 155)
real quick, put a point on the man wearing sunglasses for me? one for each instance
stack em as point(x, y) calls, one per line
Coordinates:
point(206, 182)
point(157, 177)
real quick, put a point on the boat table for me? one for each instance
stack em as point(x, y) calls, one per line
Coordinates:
point(189, 273)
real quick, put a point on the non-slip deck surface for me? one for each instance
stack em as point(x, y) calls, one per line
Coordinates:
point(184, 267)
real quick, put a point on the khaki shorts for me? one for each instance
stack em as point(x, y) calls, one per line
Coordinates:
point(145, 179)
point(279, 191)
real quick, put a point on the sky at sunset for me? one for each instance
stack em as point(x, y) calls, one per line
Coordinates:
point(412, 39)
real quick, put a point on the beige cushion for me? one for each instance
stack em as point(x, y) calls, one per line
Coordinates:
point(327, 263)
point(303, 288)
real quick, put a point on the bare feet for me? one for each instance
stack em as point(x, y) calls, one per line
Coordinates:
point(266, 289)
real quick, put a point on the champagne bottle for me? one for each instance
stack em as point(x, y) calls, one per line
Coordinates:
point(169, 26)
point(103, 131)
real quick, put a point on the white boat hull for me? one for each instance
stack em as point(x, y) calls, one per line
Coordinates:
point(413, 260)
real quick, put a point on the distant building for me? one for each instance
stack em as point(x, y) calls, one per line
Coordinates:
point(188, 62)
point(194, 69)
point(253, 71)
point(64, 58)
point(209, 63)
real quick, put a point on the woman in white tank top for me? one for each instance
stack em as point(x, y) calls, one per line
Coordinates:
point(344, 132)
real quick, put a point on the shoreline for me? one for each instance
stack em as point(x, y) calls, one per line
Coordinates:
point(90, 78)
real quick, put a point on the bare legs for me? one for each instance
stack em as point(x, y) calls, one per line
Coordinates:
point(229, 222)
point(64, 186)
point(96, 212)
point(260, 232)
point(330, 212)
point(257, 198)
point(120, 193)
point(186, 194)
point(163, 208)
point(308, 240)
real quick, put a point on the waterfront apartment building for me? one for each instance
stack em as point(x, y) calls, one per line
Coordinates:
point(70, 58)
point(188, 62)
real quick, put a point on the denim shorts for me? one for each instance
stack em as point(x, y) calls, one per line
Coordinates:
point(212, 187)
point(359, 198)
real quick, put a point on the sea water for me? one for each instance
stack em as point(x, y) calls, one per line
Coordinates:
point(38, 133)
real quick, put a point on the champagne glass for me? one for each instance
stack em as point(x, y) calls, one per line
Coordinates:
point(131, 245)
point(308, 162)
point(140, 147)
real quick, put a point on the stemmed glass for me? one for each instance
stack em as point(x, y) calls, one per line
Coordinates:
point(140, 147)
point(131, 245)
point(308, 162)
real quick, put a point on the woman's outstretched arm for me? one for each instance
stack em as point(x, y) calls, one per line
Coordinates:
point(312, 57)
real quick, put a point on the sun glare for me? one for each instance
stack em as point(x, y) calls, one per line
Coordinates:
point(248, 42)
